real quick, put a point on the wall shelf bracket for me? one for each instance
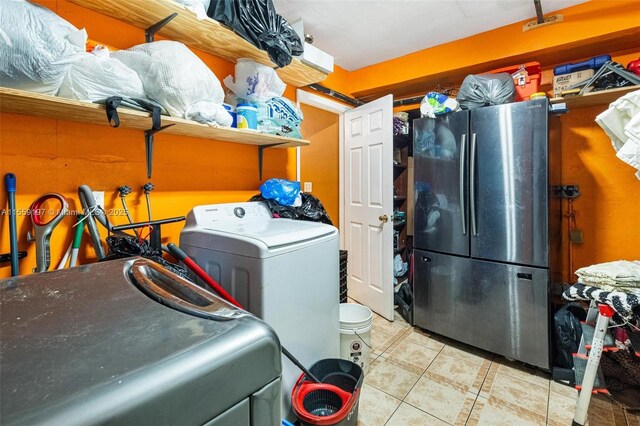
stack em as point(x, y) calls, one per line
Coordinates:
point(150, 33)
point(260, 156)
point(148, 143)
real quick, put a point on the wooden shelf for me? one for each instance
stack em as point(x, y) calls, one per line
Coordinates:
point(28, 103)
point(603, 97)
point(399, 198)
point(400, 166)
point(207, 35)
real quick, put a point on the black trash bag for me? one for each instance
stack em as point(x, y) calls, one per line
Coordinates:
point(403, 298)
point(487, 89)
point(311, 209)
point(122, 246)
point(567, 333)
point(257, 22)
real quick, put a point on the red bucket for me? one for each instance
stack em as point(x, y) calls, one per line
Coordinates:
point(332, 402)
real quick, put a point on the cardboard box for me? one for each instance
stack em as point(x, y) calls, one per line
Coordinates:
point(564, 81)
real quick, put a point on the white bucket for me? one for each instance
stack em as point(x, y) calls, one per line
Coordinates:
point(355, 334)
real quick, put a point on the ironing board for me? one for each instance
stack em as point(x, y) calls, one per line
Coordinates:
point(607, 308)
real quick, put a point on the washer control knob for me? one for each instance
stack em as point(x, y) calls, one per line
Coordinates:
point(239, 212)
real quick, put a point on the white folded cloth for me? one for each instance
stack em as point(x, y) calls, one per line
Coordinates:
point(621, 122)
point(620, 274)
point(620, 112)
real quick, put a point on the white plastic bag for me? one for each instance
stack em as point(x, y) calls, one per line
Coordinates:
point(176, 78)
point(37, 47)
point(255, 82)
point(199, 7)
point(95, 78)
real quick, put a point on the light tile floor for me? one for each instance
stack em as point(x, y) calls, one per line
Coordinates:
point(420, 379)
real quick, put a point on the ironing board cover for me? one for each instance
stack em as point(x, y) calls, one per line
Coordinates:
point(626, 304)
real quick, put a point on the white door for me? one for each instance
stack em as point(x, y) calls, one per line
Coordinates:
point(369, 204)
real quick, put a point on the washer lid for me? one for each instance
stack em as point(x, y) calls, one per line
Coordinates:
point(85, 346)
point(249, 229)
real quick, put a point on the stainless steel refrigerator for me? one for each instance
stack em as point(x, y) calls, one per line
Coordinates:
point(487, 229)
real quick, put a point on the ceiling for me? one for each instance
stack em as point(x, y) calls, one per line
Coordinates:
point(358, 33)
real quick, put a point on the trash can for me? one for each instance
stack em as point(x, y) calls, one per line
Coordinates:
point(335, 400)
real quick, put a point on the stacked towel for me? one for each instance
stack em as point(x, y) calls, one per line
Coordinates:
point(621, 122)
point(621, 275)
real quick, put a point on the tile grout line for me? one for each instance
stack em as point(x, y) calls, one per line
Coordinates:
point(479, 390)
point(472, 407)
point(429, 414)
point(407, 332)
point(548, 405)
point(414, 385)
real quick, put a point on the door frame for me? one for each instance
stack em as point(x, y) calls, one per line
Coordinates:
point(302, 96)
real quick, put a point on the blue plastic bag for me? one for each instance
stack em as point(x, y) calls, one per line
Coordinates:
point(282, 191)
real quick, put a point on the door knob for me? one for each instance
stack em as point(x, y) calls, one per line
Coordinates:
point(384, 218)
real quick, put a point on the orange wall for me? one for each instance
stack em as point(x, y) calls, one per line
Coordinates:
point(595, 26)
point(58, 156)
point(319, 162)
point(608, 209)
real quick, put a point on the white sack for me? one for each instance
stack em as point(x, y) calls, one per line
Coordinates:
point(616, 117)
point(176, 78)
point(199, 7)
point(37, 47)
point(95, 78)
point(255, 82)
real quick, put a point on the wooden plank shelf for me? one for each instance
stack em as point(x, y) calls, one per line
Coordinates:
point(207, 35)
point(35, 104)
point(602, 97)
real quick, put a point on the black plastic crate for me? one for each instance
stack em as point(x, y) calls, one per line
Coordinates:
point(343, 276)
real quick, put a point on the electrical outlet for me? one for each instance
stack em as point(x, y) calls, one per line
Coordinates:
point(99, 196)
point(308, 186)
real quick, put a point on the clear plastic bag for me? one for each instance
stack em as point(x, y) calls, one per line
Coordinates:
point(95, 78)
point(486, 89)
point(37, 47)
point(282, 191)
point(254, 82)
point(176, 78)
point(435, 103)
point(279, 116)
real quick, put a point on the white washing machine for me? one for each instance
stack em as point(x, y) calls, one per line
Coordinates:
point(282, 270)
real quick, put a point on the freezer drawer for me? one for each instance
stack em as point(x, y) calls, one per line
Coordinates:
point(496, 307)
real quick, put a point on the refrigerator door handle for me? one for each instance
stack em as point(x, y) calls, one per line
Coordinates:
point(463, 150)
point(472, 185)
